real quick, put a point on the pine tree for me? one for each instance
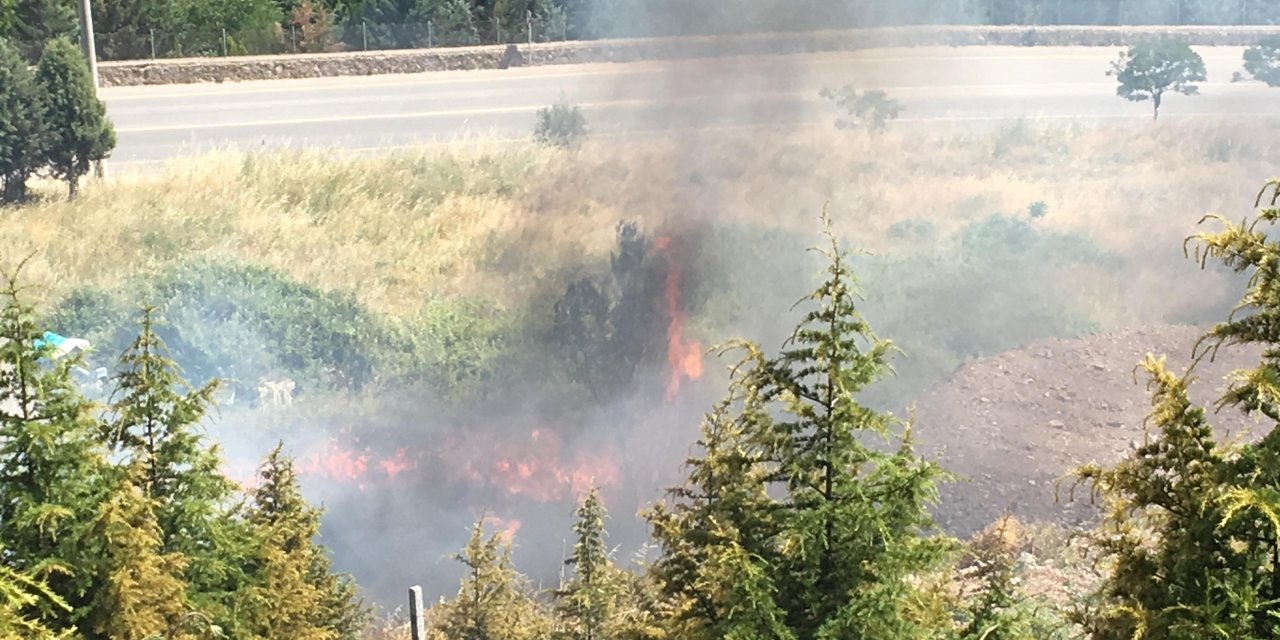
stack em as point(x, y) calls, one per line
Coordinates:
point(53, 472)
point(493, 601)
point(153, 421)
point(293, 594)
point(1201, 517)
point(79, 131)
point(140, 593)
point(22, 134)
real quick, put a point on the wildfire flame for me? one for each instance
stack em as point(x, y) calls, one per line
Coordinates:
point(539, 468)
point(683, 356)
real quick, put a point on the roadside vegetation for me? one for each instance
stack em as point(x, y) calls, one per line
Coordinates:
point(803, 513)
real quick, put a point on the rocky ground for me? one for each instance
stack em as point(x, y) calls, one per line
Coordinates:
point(1014, 424)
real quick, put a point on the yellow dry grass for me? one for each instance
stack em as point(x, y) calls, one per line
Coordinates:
point(497, 221)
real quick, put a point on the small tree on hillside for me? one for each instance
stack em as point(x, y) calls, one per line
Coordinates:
point(1150, 69)
point(22, 134)
point(24, 603)
point(1263, 61)
point(79, 131)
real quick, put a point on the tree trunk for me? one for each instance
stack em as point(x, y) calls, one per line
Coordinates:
point(1155, 99)
point(73, 187)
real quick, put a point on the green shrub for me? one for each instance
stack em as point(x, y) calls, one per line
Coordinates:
point(560, 125)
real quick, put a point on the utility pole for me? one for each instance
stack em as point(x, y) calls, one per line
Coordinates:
point(91, 56)
point(417, 630)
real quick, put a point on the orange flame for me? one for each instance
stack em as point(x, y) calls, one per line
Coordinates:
point(538, 469)
point(683, 356)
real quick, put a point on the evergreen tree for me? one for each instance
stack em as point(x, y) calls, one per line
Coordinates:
point(293, 593)
point(79, 131)
point(451, 21)
point(822, 528)
point(1199, 517)
point(587, 604)
point(20, 596)
point(153, 421)
point(140, 593)
point(36, 22)
point(22, 134)
point(53, 472)
point(724, 492)
point(493, 601)
point(854, 520)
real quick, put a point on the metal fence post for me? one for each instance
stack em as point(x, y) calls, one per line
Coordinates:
point(497, 29)
point(429, 34)
point(293, 37)
point(224, 42)
point(417, 629)
point(153, 44)
point(528, 20)
point(364, 34)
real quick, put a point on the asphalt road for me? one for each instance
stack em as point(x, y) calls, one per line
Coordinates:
point(964, 85)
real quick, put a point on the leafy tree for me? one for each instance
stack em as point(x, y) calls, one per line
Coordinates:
point(871, 110)
point(22, 134)
point(1201, 516)
point(294, 594)
point(53, 472)
point(153, 421)
point(314, 25)
point(140, 593)
point(79, 131)
point(493, 601)
point(1263, 61)
point(1150, 69)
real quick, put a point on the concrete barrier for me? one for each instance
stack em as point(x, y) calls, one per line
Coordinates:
point(194, 70)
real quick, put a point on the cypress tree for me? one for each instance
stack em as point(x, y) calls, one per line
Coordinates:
point(587, 605)
point(22, 134)
point(140, 593)
point(36, 22)
point(153, 421)
point(53, 471)
point(293, 593)
point(25, 602)
point(79, 131)
point(854, 520)
point(1202, 517)
point(493, 601)
point(806, 515)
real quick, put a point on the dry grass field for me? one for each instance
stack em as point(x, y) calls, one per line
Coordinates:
point(457, 220)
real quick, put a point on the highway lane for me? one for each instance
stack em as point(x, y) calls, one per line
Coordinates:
point(975, 85)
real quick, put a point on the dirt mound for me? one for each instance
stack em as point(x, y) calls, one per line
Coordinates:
point(1012, 425)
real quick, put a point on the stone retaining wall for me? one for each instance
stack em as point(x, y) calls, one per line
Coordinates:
point(192, 70)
